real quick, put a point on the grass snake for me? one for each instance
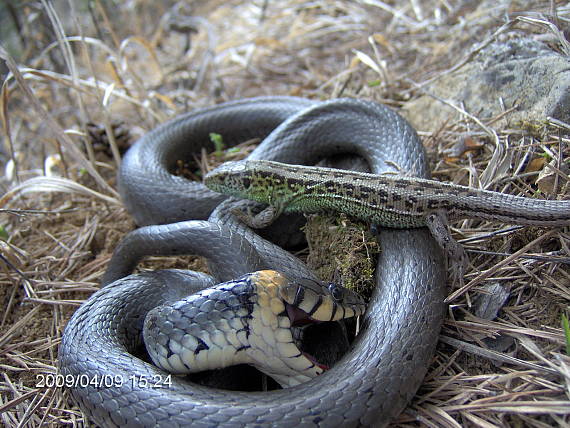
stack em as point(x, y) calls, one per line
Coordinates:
point(370, 385)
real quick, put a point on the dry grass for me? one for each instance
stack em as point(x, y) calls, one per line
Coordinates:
point(63, 224)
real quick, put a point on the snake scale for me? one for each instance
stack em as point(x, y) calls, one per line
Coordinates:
point(369, 386)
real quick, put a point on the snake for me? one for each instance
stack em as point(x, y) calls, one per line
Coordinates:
point(369, 386)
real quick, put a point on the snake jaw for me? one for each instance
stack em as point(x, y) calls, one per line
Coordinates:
point(313, 360)
point(298, 316)
point(303, 302)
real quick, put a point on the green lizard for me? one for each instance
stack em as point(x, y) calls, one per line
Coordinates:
point(386, 200)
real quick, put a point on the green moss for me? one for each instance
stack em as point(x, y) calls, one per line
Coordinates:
point(343, 251)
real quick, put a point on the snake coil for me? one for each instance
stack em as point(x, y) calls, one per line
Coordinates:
point(371, 384)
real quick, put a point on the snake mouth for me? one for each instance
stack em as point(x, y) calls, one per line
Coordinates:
point(299, 317)
point(313, 360)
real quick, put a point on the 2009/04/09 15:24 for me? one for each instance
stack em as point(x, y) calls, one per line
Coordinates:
point(57, 380)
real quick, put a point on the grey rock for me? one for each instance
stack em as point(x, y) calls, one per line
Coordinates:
point(523, 74)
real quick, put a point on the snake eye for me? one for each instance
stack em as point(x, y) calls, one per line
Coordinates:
point(336, 291)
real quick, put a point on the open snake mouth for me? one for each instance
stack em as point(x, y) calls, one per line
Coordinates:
point(314, 361)
point(321, 342)
point(299, 317)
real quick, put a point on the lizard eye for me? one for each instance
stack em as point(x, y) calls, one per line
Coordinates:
point(336, 291)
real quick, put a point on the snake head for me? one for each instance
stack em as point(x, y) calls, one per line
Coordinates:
point(286, 304)
point(307, 300)
point(252, 319)
point(321, 301)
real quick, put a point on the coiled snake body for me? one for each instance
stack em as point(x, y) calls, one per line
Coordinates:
point(369, 386)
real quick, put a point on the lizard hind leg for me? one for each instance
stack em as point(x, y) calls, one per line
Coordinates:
point(457, 257)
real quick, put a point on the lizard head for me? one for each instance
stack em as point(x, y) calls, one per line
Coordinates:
point(258, 180)
point(234, 178)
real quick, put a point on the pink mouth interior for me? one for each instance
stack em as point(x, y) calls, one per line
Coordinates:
point(300, 318)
